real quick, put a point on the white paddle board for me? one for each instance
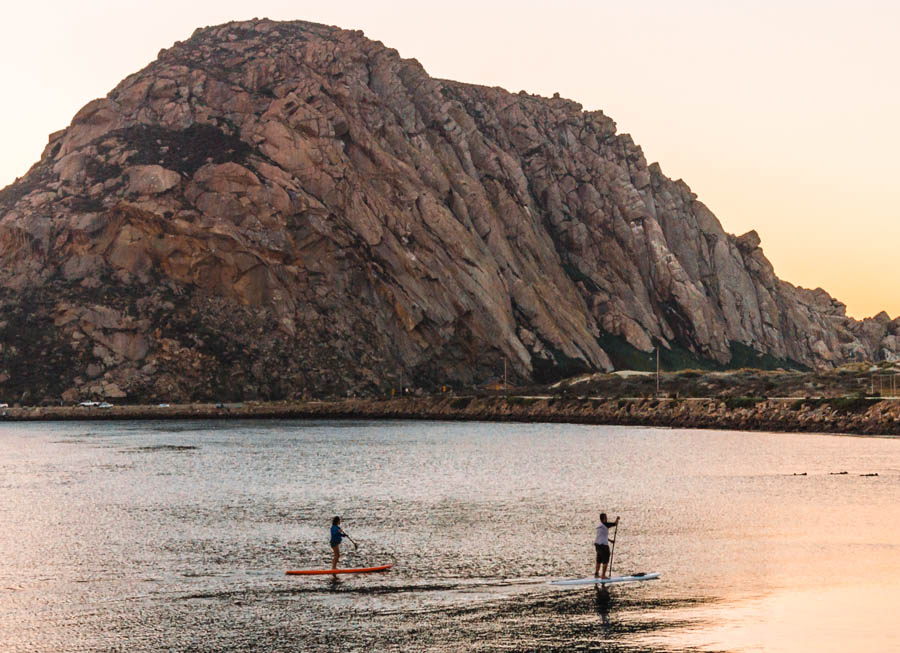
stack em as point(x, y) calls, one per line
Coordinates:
point(634, 578)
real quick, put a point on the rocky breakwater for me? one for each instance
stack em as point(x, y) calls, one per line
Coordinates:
point(274, 210)
point(851, 415)
point(863, 416)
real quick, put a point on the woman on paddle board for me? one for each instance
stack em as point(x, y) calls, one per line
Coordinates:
point(601, 544)
point(337, 534)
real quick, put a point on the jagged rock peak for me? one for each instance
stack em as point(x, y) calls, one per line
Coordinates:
point(276, 209)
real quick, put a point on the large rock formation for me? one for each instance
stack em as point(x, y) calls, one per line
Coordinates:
point(281, 209)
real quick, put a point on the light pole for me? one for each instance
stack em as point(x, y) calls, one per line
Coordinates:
point(657, 370)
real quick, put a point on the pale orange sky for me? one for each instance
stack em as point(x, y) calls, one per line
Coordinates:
point(781, 116)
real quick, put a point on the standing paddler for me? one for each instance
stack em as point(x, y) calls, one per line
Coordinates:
point(337, 535)
point(601, 544)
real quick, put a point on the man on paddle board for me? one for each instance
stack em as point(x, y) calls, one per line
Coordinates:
point(601, 544)
point(337, 534)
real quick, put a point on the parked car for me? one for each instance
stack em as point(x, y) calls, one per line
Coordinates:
point(89, 404)
point(105, 404)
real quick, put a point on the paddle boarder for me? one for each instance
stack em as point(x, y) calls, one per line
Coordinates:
point(337, 534)
point(601, 545)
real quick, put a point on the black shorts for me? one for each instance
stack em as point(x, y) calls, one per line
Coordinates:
point(602, 553)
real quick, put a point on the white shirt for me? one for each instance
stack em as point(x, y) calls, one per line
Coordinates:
point(602, 535)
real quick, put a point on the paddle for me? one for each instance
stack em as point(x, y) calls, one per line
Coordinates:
point(355, 545)
point(612, 550)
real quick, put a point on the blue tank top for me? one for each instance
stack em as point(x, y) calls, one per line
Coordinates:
point(336, 535)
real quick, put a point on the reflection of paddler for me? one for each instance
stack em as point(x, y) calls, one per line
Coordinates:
point(601, 544)
point(603, 602)
point(337, 534)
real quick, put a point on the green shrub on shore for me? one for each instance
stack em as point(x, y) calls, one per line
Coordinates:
point(733, 403)
point(520, 401)
point(857, 403)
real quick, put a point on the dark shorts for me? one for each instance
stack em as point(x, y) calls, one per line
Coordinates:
point(602, 553)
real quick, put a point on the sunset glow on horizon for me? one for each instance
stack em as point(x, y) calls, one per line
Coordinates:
point(782, 117)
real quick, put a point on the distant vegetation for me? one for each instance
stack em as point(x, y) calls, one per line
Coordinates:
point(625, 356)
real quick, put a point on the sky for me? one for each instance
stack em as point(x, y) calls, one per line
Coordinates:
point(783, 116)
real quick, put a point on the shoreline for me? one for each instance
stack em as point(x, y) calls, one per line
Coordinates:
point(837, 415)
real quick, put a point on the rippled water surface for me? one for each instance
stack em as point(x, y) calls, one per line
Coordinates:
point(149, 536)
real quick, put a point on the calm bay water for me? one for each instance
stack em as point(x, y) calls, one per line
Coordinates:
point(151, 535)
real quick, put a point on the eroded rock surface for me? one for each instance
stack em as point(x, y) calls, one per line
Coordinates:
point(276, 210)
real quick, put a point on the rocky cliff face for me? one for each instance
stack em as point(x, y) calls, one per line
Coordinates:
point(282, 209)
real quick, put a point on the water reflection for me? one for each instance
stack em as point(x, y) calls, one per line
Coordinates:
point(603, 601)
point(585, 620)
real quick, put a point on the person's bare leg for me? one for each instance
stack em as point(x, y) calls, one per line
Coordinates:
point(336, 557)
point(603, 575)
point(597, 570)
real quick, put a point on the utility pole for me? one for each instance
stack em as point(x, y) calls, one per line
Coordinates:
point(657, 370)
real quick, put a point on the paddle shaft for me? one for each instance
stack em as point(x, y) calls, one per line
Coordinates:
point(612, 550)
